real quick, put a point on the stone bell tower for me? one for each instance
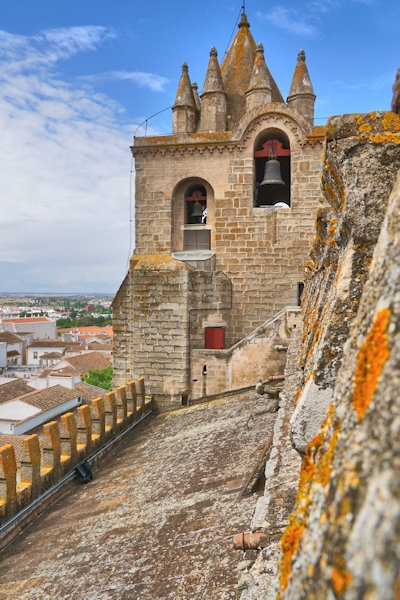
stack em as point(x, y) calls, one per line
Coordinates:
point(221, 244)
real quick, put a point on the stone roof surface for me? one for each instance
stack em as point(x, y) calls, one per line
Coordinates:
point(157, 520)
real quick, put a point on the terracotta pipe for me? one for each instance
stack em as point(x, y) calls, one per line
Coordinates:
point(249, 541)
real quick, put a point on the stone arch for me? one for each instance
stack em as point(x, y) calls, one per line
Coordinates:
point(272, 167)
point(193, 195)
point(281, 120)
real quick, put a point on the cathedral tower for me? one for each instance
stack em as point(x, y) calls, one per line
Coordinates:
point(224, 215)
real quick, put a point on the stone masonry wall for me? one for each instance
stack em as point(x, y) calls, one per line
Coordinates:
point(256, 358)
point(261, 250)
point(161, 305)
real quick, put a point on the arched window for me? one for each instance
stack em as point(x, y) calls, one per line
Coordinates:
point(272, 169)
point(193, 216)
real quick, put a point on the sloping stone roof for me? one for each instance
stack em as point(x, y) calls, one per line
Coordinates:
point(157, 520)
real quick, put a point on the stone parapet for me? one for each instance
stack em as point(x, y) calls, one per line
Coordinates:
point(68, 442)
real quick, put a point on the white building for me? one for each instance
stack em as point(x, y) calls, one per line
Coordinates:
point(41, 327)
point(25, 412)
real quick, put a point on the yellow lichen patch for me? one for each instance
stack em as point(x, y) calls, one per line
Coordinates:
point(340, 580)
point(307, 471)
point(336, 196)
point(311, 472)
point(326, 460)
point(289, 543)
point(372, 356)
point(388, 136)
point(391, 122)
point(298, 394)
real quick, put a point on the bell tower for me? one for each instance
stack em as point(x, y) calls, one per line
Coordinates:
point(224, 219)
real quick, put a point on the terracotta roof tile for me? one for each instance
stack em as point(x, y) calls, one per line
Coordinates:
point(89, 392)
point(9, 338)
point(47, 344)
point(49, 397)
point(91, 361)
point(28, 320)
point(13, 389)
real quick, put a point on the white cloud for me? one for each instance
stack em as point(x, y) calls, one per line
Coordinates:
point(65, 170)
point(152, 81)
point(289, 20)
point(307, 21)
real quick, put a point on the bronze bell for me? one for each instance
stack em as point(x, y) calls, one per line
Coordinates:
point(197, 210)
point(272, 173)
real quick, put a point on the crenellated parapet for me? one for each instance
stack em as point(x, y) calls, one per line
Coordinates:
point(69, 441)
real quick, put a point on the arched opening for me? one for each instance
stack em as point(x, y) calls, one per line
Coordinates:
point(272, 169)
point(193, 209)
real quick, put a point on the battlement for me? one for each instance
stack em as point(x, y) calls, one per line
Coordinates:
point(68, 442)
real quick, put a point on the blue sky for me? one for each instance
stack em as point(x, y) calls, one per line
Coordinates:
point(77, 80)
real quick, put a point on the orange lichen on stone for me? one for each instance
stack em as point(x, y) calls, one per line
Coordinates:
point(310, 473)
point(364, 127)
point(307, 471)
point(372, 357)
point(289, 543)
point(325, 468)
point(391, 122)
point(340, 580)
point(336, 196)
point(388, 136)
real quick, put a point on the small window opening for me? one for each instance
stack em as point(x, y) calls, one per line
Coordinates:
point(300, 290)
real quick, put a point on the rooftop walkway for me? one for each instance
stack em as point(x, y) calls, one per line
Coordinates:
point(158, 518)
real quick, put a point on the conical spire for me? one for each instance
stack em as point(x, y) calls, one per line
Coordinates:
point(213, 81)
point(195, 88)
point(213, 98)
point(184, 94)
point(301, 82)
point(260, 89)
point(301, 96)
point(236, 71)
point(184, 111)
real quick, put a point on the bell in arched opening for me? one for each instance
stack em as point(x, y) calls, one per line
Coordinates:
point(272, 173)
point(197, 210)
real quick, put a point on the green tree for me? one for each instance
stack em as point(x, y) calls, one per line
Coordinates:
point(101, 378)
point(65, 323)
